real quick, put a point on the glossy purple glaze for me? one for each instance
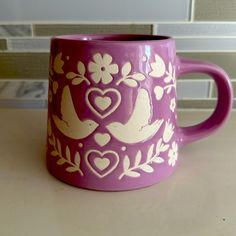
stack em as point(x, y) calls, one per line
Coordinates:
point(123, 93)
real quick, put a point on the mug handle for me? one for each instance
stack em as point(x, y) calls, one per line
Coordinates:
point(224, 104)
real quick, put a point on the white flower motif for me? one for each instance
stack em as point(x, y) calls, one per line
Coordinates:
point(168, 132)
point(170, 74)
point(173, 154)
point(158, 67)
point(102, 68)
point(172, 104)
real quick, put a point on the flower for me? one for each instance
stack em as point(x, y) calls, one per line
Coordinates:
point(168, 132)
point(102, 68)
point(173, 154)
point(158, 67)
point(170, 74)
point(172, 104)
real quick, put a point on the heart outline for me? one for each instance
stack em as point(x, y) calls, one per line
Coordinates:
point(103, 92)
point(115, 154)
point(102, 139)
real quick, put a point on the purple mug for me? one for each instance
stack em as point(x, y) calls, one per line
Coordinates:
point(112, 121)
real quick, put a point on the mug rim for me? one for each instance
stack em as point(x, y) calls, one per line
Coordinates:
point(114, 38)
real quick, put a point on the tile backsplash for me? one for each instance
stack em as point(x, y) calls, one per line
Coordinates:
point(195, 25)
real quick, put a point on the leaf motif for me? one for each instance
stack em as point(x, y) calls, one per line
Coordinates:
point(68, 156)
point(58, 64)
point(131, 83)
point(77, 81)
point(77, 159)
point(126, 163)
point(138, 76)
point(81, 68)
point(58, 146)
point(146, 168)
point(158, 160)
point(167, 79)
point(50, 141)
point(61, 162)
point(71, 169)
point(138, 158)
point(71, 75)
point(132, 174)
point(126, 69)
point(158, 146)
point(168, 90)
point(150, 152)
point(49, 128)
point(54, 87)
point(164, 147)
point(54, 153)
point(159, 91)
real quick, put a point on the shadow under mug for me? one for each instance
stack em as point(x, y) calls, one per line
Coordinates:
point(112, 121)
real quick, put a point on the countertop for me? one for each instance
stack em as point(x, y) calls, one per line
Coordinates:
point(199, 199)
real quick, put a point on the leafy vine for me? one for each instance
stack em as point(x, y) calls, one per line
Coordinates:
point(57, 151)
point(152, 157)
point(80, 77)
point(130, 79)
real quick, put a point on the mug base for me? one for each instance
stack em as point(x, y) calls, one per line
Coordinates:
point(109, 188)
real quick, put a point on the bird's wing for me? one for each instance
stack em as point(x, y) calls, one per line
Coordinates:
point(67, 107)
point(142, 110)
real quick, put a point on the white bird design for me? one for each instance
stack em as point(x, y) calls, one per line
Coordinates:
point(137, 128)
point(70, 124)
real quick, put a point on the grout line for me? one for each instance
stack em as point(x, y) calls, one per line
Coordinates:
point(154, 29)
point(192, 7)
point(8, 44)
point(204, 37)
point(204, 50)
point(210, 89)
point(32, 30)
point(115, 22)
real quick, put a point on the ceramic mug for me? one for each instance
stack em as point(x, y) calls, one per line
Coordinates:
point(112, 121)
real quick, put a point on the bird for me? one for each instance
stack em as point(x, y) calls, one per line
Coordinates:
point(70, 124)
point(137, 128)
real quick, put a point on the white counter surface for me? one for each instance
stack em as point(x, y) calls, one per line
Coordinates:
point(198, 200)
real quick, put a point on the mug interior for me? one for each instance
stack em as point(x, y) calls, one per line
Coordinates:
point(112, 37)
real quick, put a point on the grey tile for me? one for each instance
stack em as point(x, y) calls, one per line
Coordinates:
point(209, 44)
point(29, 44)
point(3, 44)
point(59, 29)
point(23, 89)
point(197, 29)
point(196, 104)
point(199, 104)
point(102, 10)
point(215, 10)
point(23, 103)
point(226, 60)
point(192, 89)
point(15, 30)
point(214, 89)
point(21, 65)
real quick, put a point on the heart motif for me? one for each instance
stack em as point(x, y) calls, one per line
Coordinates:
point(102, 139)
point(101, 163)
point(103, 102)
